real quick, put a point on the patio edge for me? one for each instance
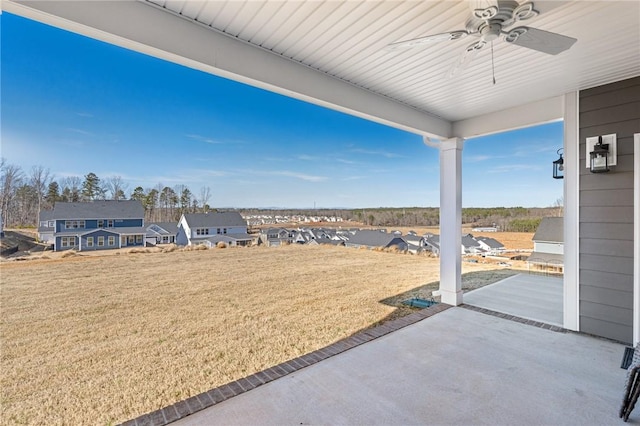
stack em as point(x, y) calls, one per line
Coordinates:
point(184, 408)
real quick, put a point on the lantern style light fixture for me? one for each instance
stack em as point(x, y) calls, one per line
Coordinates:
point(599, 157)
point(558, 166)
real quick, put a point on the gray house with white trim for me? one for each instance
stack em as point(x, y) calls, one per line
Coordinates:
point(548, 244)
point(203, 228)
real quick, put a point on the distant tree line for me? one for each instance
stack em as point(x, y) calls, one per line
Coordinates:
point(24, 193)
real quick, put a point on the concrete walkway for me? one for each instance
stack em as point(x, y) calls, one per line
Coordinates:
point(535, 297)
point(456, 367)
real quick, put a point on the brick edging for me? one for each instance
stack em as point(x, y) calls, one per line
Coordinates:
point(515, 318)
point(215, 396)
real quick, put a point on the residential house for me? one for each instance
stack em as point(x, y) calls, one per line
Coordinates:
point(162, 232)
point(432, 243)
point(491, 246)
point(205, 228)
point(470, 245)
point(95, 225)
point(548, 244)
point(374, 239)
point(415, 242)
point(274, 237)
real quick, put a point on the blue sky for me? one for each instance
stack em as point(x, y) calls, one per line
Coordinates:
point(77, 105)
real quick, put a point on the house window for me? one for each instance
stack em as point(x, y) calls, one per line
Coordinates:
point(111, 241)
point(100, 223)
point(110, 223)
point(100, 241)
point(218, 231)
point(73, 224)
point(131, 239)
point(202, 231)
point(138, 239)
point(68, 241)
point(52, 223)
point(224, 230)
point(89, 241)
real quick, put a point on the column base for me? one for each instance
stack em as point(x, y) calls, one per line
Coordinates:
point(451, 297)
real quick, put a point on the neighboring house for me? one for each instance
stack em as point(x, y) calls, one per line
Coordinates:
point(96, 225)
point(46, 227)
point(162, 232)
point(326, 241)
point(372, 239)
point(470, 245)
point(415, 243)
point(205, 228)
point(485, 229)
point(432, 243)
point(490, 245)
point(274, 237)
point(548, 244)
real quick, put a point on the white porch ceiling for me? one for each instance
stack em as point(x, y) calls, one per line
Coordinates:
point(332, 53)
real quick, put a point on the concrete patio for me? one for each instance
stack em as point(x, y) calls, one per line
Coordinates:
point(535, 297)
point(455, 367)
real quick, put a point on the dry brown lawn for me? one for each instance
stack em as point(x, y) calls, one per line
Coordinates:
point(103, 339)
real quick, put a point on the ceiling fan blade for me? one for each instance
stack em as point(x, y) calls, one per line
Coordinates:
point(542, 41)
point(453, 35)
point(465, 58)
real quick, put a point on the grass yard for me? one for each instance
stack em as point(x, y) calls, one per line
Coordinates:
point(103, 339)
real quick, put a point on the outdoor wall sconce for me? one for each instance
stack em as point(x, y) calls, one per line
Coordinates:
point(602, 153)
point(558, 166)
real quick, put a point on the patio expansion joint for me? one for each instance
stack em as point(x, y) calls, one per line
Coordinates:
point(195, 403)
point(514, 318)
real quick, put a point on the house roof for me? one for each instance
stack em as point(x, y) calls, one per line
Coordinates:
point(433, 240)
point(546, 258)
point(413, 238)
point(551, 229)
point(163, 228)
point(213, 220)
point(491, 242)
point(370, 238)
point(104, 209)
point(469, 241)
point(335, 53)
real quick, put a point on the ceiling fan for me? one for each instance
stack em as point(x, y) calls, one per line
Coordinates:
point(491, 22)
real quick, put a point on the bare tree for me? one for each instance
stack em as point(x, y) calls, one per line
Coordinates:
point(205, 195)
point(71, 188)
point(11, 177)
point(116, 187)
point(39, 181)
point(559, 206)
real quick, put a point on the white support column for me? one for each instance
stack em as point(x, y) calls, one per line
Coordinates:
point(451, 221)
point(571, 288)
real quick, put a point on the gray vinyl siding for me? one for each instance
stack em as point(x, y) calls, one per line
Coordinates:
point(606, 213)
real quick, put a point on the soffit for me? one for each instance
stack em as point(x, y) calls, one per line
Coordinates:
point(346, 40)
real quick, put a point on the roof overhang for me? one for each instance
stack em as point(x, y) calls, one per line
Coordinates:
point(346, 68)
